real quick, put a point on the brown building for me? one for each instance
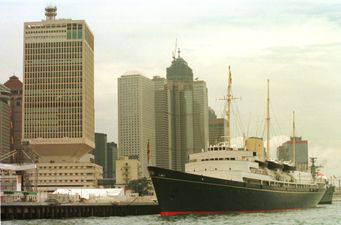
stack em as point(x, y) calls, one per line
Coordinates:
point(15, 86)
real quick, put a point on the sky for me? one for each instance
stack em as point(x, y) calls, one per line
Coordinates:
point(296, 44)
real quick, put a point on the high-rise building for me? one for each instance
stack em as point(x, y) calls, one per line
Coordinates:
point(58, 102)
point(101, 152)
point(180, 109)
point(162, 149)
point(111, 159)
point(286, 150)
point(136, 136)
point(16, 86)
point(215, 128)
point(216, 131)
point(5, 123)
point(200, 116)
point(58, 88)
point(105, 154)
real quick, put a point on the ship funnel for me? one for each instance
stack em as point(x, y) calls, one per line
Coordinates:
point(51, 12)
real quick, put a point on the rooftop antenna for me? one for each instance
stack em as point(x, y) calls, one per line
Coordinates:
point(176, 46)
point(51, 12)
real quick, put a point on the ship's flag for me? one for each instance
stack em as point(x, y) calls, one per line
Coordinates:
point(148, 151)
point(319, 174)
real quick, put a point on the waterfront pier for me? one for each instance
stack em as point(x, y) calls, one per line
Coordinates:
point(61, 211)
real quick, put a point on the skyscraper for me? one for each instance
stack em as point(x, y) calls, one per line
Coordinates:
point(58, 110)
point(162, 149)
point(187, 113)
point(111, 159)
point(174, 110)
point(215, 128)
point(16, 86)
point(200, 116)
point(100, 152)
point(5, 123)
point(136, 116)
point(59, 88)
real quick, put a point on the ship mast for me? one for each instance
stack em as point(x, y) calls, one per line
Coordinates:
point(293, 140)
point(268, 125)
point(228, 98)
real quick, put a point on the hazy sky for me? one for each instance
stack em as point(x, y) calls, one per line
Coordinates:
point(295, 44)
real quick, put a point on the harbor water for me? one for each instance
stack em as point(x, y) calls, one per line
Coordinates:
point(321, 215)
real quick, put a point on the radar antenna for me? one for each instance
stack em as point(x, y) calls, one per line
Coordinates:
point(51, 12)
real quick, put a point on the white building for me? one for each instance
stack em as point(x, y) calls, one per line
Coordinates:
point(58, 102)
point(58, 88)
point(136, 127)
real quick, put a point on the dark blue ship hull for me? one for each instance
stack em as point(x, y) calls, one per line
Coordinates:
point(184, 193)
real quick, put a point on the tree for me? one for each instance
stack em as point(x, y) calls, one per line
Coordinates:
point(141, 186)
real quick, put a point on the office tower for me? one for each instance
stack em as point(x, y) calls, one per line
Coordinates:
point(59, 88)
point(16, 86)
point(216, 131)
point(215, 128)
point(180, 111)
point(200, 116)
point(5, 123)
point(286, 150)
point(100, 152)
point(136, 116)
point(111, 159)
point(105, 154)
point(162, 149)
point(58, 112)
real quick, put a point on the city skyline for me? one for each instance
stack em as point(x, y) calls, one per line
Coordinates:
point(293, 43)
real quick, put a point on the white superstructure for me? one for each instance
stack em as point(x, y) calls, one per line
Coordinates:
point(220, 161)
point(241, 164)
